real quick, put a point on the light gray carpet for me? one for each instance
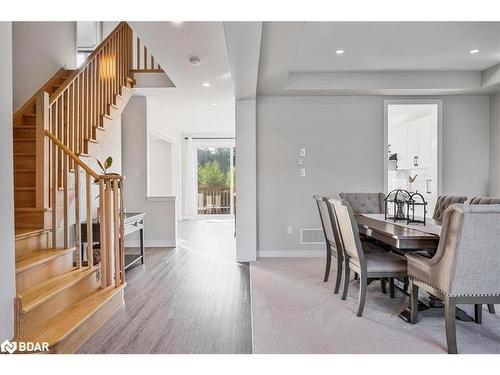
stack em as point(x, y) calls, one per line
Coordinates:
point(293, 311)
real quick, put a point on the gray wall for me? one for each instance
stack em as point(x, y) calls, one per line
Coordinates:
point(160, 222)
point(343, 137)
point(495, 145)
point(39, 50)
point(7, 252)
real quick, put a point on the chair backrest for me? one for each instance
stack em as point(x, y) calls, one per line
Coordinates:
point(365, 203)
point(326, 223)
point(468, 256)
point(484, 200)
point(443, 202)
point(348, 228)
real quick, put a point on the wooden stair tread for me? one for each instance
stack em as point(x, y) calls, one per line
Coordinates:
point(24, 139)
point(33, 209)
point(24, 188)
point(24, 126)
point(36, 258)
point(25, 170)
point(24, 233)
point(24, 154)
point(63, 324)
point(38, 294)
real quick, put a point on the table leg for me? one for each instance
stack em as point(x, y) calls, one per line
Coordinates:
point(141, 238)
point(459, 313)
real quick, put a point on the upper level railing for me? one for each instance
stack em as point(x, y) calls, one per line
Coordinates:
point(214, 200)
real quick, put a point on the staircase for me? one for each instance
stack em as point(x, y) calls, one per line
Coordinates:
point(63, 297)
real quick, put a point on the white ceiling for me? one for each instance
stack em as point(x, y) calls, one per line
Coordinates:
point(389, 46)
point(389, 58)
point(188, 106)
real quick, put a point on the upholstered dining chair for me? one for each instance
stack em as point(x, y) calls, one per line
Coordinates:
point(485, 200)
point(365, 203)
point(332, 240)
point(466, 266)
point(380, 264)
point(443, 202)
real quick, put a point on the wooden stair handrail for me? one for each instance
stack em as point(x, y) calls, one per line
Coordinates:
point(78, 161)
point(85, 63)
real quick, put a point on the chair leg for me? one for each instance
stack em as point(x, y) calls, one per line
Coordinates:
point(449, 319)
point(491, 308)
point(478, 313)
point(413, 302)
point(355, 276)
point(382, 285)
point(338, 278)
point(328, 263)
point(362, 294)
point(391, 287)
point(347, 275)
point(405, 284)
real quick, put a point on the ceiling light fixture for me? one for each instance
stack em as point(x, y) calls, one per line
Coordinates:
point(339, 52)
point(206, 84)
point(473, 51)
point(195, 61)
point(177, 22)
point(214, 104)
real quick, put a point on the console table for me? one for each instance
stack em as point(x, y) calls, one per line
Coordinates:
point(133, 222)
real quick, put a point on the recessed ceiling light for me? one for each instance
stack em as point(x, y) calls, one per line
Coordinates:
point(177, 22)
point(206, 84)
point(339, 52)
point(214, 104)
point(473, 51)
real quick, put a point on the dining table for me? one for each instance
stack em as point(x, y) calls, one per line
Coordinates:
point(403, 237)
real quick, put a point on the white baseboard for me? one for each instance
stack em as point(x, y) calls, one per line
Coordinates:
point(290, 253)
point(151, 243)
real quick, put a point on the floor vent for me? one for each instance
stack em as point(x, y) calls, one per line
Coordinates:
point(312, 236)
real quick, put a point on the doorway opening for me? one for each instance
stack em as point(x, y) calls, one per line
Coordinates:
point(412, 154)
point(216, 179)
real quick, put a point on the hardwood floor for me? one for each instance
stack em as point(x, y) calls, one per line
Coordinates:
point(191, 299)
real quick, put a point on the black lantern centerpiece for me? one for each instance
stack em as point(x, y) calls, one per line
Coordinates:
point(414, 203)
point(399, 198)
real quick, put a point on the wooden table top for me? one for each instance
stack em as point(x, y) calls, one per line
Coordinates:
point(398, 236)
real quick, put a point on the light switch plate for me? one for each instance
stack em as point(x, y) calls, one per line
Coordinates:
point(301, 162)
point(302, 152)
point(302, 172)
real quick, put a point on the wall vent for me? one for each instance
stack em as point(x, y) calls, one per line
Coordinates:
point(312, 236)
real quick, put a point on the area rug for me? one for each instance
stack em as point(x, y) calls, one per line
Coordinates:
point(293, 311)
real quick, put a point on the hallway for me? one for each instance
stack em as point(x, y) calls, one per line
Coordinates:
point(191, 299)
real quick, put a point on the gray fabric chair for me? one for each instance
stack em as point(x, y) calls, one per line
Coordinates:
point(466, 266)
point(333, 243)
point(486, 200)
point(380, 264)
point(443, 202)
point(365, 203)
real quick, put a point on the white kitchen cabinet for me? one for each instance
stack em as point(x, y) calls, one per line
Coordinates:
point(413, 144)
point(425, 137)
point(402, 147)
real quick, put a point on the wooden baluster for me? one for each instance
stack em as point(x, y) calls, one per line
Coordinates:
point(109, 228)
point(78, 225)
point(145, 58)
point(88, 196)
point(116, 228)
point(152, 62)
point(102, 236)
point(122, 234)
point(71, 128)
point(87, 112)
point(99, 89)
point(65, 200)
point(81, 117)
point(91, 100)
point(54, 189)
point(138, 54)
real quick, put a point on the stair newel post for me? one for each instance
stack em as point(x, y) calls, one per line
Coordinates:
point(42, 150)
point(54, 186)
point(102, 228)
point(78, 227)
point(116, 233)
point(122, 232)
point(109, 228)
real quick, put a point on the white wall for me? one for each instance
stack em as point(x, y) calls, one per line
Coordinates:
point(7, 250)
point(160, 221)
point(343, 137)
point(159, 168)
point(40, 49)
point(495, 145)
